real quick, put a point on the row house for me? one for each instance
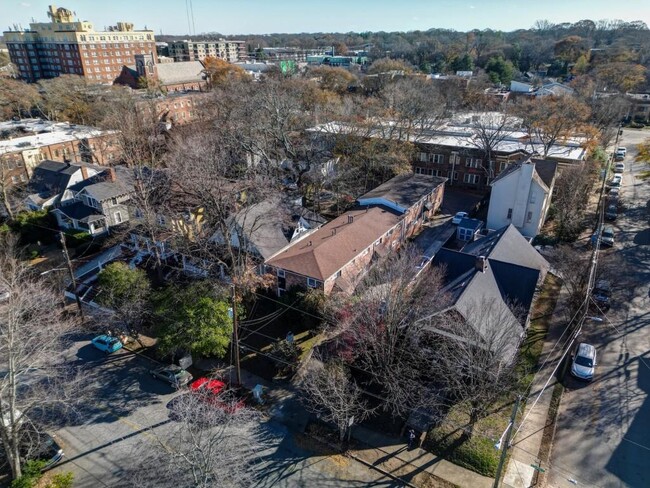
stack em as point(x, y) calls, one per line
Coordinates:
point(336, 256)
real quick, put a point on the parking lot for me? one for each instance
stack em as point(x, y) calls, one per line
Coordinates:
point(602, 428)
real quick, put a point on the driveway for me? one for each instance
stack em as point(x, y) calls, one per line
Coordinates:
point(603, 427)
point(126, 404)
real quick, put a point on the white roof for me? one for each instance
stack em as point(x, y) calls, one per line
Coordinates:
point(45, 133)
point(459, 132)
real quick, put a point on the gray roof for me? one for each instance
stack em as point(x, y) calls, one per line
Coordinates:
point(270, 224)
point(51, 178)
point(544, 168)
point(405, 190)
point(181, 72)
point(80, 212)
point(101, 189)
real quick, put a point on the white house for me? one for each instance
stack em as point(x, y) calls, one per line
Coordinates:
point(521, 196)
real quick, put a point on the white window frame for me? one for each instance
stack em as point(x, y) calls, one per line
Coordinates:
point(312, 283)
point(529, 217)
point(473, 162)
point(280, 273)
point(118, 217)
point(471, 178)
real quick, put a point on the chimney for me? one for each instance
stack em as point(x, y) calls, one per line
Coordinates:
point(84, 172)
point(111, 175)
point(481, 264)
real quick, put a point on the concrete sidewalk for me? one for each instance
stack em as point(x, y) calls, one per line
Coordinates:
point(392, 455)
point(526, 445)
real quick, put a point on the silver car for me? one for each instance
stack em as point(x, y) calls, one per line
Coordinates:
point(584, 362)
point(172, 374)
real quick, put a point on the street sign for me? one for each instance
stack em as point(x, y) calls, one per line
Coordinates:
point(538, 468)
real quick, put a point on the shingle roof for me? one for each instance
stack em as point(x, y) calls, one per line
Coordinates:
point(405, 190)
point(544, 168)
point(79, 211)
point(101, 189)
point(322, 253)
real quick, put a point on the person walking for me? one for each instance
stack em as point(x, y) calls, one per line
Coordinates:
point(411, 438)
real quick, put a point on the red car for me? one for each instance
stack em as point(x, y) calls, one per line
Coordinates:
point(216, 392)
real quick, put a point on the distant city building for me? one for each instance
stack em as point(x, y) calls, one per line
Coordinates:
point(188, 50)
point(338, 61)
point(287, 53)
point(639, 106)
point(66, 46)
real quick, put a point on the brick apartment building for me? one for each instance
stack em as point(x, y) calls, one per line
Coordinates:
point(25, 143)
point(453, 150)
point(336, 256)
point(176, 108)
point(188, 50)
point(67, 46)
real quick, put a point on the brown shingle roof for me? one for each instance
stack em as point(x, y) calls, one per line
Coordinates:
point(322, 253)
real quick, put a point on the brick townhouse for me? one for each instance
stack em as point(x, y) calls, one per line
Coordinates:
point(335, 257)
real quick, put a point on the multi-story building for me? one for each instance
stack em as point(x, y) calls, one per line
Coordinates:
point(68, 46)
point(188, 50)
point(25, 143)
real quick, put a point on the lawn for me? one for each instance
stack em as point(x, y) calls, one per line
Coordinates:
point(477, 452)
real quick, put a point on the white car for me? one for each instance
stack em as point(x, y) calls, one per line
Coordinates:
point(616, 181)
point(619, 168)
point(620, 154)
point(458, 217)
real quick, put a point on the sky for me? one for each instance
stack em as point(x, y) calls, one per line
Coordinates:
point(269, 16)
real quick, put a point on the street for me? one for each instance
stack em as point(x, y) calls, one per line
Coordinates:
point(108, 434)
point(602, 437)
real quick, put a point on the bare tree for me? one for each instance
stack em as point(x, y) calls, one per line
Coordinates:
point(32, 345)
point(490, 129)
point(333, 395)
point(213, 442)
point(473, 352)
point(570, 197)
point(379, 331)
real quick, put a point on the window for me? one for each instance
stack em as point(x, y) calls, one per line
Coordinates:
point(280, 273)
point(312, 283)
point(533, 197)
point(338, 274)
point(118, 217)
point(529, 217)
point(473, 162)
point(465, 234)
point(113, 201)
point(472, 179)
point(503, 166)
point(509, 214)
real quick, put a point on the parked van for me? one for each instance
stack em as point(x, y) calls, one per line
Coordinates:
point(584, 362)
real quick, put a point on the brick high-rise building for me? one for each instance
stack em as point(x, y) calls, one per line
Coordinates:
point(66, 46)
point(230, 51)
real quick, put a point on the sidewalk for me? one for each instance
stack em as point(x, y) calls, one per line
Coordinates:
point(526, 445)
point(393, 456)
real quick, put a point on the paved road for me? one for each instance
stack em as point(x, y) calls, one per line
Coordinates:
point(113, 429)
point(603, 429)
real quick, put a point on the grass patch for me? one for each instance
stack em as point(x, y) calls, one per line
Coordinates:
point(478, 453)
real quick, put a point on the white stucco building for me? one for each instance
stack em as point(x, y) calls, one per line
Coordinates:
point(521, 196)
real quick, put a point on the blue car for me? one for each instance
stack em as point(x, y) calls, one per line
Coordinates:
point(106, 343)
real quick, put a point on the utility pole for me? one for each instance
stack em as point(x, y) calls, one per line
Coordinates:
point(506, 444)
point(72, 278)
point(235, 335)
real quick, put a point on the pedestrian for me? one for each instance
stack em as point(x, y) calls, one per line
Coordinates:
point(411, 438)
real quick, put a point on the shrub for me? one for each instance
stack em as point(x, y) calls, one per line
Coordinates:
point(61, 480)
point(76, 238)
point(475, 453)
point(31, 475)
point(34, 226)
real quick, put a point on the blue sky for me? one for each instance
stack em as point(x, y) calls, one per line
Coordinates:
point(267, 16)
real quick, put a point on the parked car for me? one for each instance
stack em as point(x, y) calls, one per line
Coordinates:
point(458, 217)
point(172, 374)
point(607, 237)
point(611, 212)
point(216, 393)
point(601, 295)
point(614, 192)
point(106, 343)
point(40, 446)
point(584, 362)
point(620, 154)
point(619, 168)
point(616, 181)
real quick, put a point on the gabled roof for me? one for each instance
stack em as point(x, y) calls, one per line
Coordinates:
point(181, 72)
point(80, 212)
point(101, 188)
point(404, 190)
point(321, 254)
point(544, 168)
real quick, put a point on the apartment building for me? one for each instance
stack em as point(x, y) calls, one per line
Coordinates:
point(188, 50)
point(24, 144)
point(69, 46)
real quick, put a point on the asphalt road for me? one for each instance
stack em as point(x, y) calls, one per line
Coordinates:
point(603, 427)
point(126, 406)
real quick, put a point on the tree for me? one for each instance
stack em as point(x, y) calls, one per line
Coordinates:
point(215, 442)
point(385, 65)
point(334, 79)
point(500, 70)
point(218, 71)
point(17, 98)
point(490, 130)
point(475, 354)
point(621, 76)
point(333, 395)
point(572, 267)
point(32, 345)
point(551, 120)
point(126, 292)
point(68, 98)
point(571, 48)
point(570, 197)
point(194, 319)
